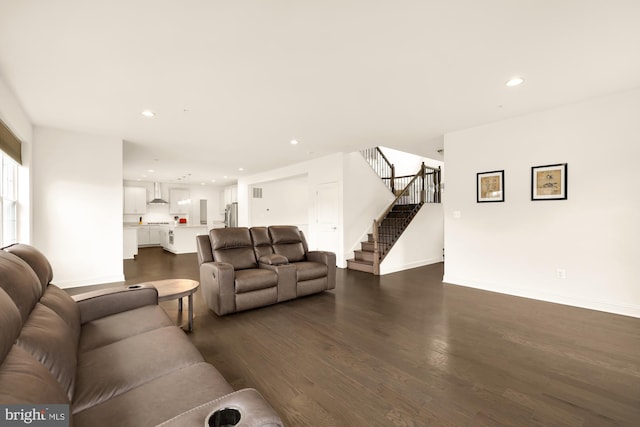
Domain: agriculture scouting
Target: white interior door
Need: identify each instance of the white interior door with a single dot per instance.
(328, 217)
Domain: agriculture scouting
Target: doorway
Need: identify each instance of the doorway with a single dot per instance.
(328, 217)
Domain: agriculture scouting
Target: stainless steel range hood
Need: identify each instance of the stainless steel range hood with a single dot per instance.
(157, 195)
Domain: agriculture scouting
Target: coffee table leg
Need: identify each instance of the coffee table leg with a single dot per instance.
(180, 305)
(190, 312)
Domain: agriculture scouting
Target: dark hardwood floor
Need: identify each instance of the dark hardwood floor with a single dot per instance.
(406, 350)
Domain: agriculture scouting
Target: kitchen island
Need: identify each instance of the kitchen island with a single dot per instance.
(181, 239)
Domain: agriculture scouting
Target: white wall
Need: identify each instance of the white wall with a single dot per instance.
(365, 199)
(420, 244)
(14, 117)
(407, 163)
(318, 171)
(77, 205)
(285, 201)
(515, 247)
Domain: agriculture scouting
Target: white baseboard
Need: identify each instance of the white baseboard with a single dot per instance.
(592, 304)
(87, 282)
(387, 270)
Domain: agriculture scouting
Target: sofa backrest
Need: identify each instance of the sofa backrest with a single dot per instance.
(36, 260)
(261, 241)
(234, 246)
(287, 240)
(203, 246)
(39, 331)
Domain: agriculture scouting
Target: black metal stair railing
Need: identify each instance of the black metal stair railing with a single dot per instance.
(421, 188)
(382, 166)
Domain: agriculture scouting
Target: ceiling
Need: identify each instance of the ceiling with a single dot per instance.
(232, 82)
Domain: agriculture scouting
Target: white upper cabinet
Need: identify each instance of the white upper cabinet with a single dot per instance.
(179, 201)
(230, 194)
(135, 200)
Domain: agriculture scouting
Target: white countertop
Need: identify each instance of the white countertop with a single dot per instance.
(137, 225)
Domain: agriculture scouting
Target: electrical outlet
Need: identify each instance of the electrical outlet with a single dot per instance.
(561, 273)
(457, 214)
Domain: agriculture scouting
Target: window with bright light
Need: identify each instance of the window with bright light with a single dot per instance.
(9, 200)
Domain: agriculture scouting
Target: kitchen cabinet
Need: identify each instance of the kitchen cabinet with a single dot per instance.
(135, 200)
(143, 235)
(230, 194)
(154, 235)
(179, 201)
(149, 235)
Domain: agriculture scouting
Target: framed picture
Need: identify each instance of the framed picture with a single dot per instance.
(490, 186)
(549, 182)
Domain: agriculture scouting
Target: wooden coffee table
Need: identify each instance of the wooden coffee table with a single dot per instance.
(177, 289)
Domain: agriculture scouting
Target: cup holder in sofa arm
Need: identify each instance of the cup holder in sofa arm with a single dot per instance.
(134, 286)
(242, 408)
(226, 417)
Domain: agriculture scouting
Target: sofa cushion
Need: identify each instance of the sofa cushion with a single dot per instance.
(64, 306)
(254, 279)
(234, 246)
(11, 323)
(287, 241)
(51, 342)
(109, 329)
(19, 282)
(308, 270)
(25, 380)
(113, 369)
(259, 298)
(312, 286)
(161, 398)
(36, 260)
(261, 241)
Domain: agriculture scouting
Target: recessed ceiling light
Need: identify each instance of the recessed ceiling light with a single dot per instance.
(294, 142)
(151, 171)
(240, 169)
(213, 180)
(225, 177)
(515, 81)
(148, 113)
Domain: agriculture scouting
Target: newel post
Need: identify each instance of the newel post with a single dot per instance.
(376, 248)
(393, 179)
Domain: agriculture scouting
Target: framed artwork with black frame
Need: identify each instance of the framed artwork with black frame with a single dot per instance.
(549, 182)
(490, 186)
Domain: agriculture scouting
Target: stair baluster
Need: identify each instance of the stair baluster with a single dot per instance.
(423, 187)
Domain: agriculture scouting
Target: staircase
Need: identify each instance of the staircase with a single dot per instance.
(411, 193)
(389, 230)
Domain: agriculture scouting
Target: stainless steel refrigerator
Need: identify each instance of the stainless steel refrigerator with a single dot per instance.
(231, 215)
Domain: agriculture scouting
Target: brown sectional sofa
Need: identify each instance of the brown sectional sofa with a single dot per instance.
(243, 268)
(112, 355)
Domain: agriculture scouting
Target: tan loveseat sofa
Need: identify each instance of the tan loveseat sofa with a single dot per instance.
(243, 268)
(113, 355)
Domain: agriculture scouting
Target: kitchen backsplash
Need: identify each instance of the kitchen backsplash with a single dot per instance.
(157, 213)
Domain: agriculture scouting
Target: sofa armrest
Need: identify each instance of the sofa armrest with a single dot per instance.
(254, 411)
(217, 280)
(273, 259)
(328, 259)
(105, 302)
(287, 279)
(323, 257)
